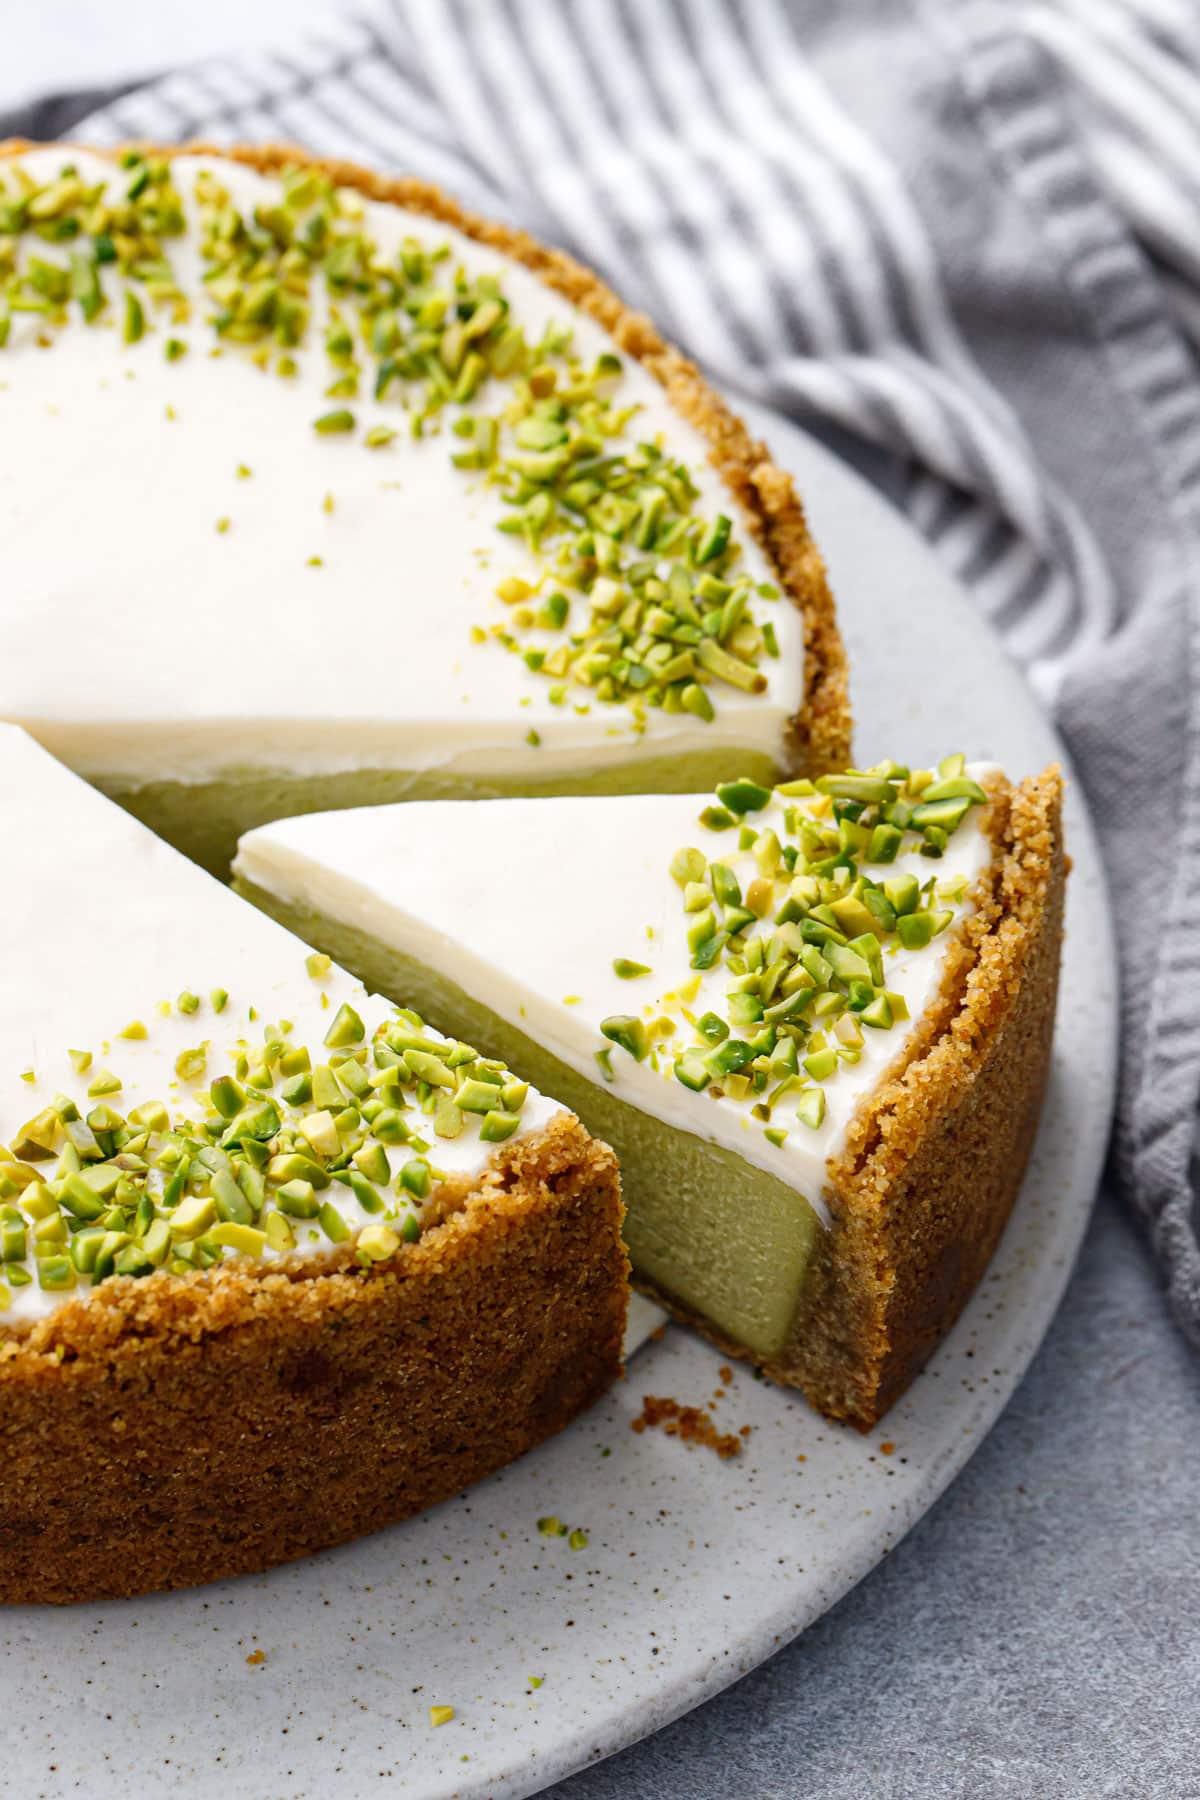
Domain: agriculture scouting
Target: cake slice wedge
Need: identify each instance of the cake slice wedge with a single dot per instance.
(279, 1264)
(814, 1022)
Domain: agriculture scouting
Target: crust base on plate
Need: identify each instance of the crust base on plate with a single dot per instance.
(180, 1429)
(934, 1161)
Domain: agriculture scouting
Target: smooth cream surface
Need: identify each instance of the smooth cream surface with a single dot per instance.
(526, 903)
(142, 643)
(99, 921)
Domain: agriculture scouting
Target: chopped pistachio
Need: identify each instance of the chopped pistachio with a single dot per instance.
(189, 1064)
(629, 1032)
(377, 1242)
(191, 1217)
(347, 1028)
(498, 1126)
(297, 1198)
(247, 1240)
(743, 796)
(332, 1223)
(135, 318)
(810, 1108)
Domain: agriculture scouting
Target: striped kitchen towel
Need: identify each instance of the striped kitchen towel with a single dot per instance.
(963, 237)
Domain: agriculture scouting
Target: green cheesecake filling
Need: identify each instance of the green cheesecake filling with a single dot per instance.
(205, 819)
(680, 1190)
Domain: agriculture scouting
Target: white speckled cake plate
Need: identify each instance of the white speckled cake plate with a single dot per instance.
(695, 1569)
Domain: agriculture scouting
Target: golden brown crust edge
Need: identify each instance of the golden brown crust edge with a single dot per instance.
(176, 1431)
(931, 1169)
(818, 737)
(934, 1162)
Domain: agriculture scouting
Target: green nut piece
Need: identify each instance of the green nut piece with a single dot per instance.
(347, 1028)
(497, 1126)
(871, 790)
(226, 1096)
(297, 1198)
(332, 1223)
(629, 1032)
(416, 1177)
(372, 1161)
(191, 1217)
(692, 1071)
(246, 1240)
(810, 1107)
(743, 796)
(292, 1166)
(321, 1135)
(688, 866)
(376, 1243)
(232, 1206)
(475, 1096)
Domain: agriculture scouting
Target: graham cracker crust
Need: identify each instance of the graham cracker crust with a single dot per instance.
(180, 1429)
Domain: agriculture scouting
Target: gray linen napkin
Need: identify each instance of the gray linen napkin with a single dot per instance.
(960, 235)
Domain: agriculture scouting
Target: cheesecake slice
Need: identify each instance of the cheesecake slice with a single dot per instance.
(279, 1264)
(814, 1022)
(331, 494)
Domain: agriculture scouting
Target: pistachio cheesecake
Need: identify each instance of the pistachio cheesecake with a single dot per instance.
(339, 495)
(279, 1264)
(814, 1021)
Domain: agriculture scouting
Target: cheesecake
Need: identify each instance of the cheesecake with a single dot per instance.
(331, 494)
(279, 1262)
(814, 1021)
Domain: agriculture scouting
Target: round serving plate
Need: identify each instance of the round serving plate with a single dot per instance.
(695, 1569)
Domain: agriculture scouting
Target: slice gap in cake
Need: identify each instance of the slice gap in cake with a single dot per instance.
(455, 521)
(279, 1263)
(814, 1023)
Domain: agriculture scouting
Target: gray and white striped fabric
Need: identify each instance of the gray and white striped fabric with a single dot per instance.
(962, 237)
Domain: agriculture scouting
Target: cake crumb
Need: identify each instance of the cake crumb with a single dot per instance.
(257, 1656)
(690, 1423)
(725, 1373)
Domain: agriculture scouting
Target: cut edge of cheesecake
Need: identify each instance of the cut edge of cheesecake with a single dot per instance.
(818, 736)
(921, 1188)
(934, 1159)
(363, 1390)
